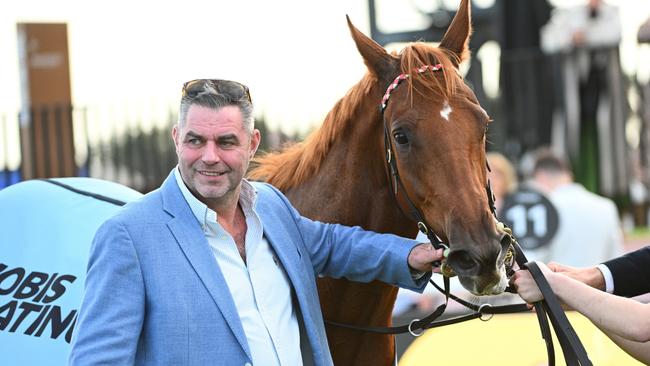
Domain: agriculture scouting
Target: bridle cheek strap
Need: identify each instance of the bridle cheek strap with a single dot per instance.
(394, 179)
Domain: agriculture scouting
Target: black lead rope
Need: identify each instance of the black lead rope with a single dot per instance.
(574, 351)
(412, 327)
(550, 308)
(416, 326)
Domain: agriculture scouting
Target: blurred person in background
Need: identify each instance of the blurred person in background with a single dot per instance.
(584, 40)
(589, 227)
(643, 35)
(642, 182)
(525, 78)
(503, 178)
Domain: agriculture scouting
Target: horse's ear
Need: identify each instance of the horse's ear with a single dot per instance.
(456, 38)
(380, 62)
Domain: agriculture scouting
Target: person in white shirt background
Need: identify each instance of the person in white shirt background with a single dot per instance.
(589, 229)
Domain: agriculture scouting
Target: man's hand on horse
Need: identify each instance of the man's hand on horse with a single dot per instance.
(423, 256)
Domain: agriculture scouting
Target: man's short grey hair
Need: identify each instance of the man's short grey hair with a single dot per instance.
(216, 96)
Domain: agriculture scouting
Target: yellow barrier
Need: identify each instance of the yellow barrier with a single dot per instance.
(513, 339)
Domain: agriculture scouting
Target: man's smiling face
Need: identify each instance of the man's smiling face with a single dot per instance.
(214, 150)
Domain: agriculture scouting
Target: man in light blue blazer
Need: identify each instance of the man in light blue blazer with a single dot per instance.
(211, 269)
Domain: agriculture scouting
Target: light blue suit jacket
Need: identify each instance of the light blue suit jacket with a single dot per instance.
(154, 293)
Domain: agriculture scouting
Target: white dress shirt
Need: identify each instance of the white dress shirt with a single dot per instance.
(260, 288)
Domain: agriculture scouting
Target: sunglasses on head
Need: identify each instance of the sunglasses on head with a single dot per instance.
(232, 88)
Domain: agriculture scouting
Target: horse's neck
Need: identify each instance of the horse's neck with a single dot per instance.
(352, 185)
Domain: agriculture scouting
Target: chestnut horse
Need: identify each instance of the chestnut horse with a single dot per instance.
(339, 174)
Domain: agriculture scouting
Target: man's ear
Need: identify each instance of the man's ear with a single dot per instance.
(256, 138)
(175, 135)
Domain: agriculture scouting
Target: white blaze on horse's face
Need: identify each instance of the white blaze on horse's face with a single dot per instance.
(446, 110)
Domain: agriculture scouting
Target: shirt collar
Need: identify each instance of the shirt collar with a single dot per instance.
(247, 200)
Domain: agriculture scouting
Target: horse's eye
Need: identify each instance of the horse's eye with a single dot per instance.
(401, 138)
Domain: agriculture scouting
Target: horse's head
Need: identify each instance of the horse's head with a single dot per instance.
(436, 130)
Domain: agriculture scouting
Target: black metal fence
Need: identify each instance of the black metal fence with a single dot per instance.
(101, 143)
(10, 162)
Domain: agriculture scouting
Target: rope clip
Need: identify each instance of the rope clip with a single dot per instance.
(411, 330)
(480, 311)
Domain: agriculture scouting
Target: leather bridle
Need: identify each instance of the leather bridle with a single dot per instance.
(549, 308)
(394, 180)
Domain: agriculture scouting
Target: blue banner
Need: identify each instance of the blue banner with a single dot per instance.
(46, 228)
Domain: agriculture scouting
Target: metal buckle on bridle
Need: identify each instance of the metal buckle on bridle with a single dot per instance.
(480, 311)
(411, 330)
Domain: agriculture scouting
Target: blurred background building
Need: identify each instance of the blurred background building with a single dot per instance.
(92, 89)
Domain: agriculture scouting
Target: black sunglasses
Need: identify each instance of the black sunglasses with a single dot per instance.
(231, 88)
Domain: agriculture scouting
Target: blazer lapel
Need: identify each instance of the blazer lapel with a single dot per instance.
(194, 245)
(279, 238)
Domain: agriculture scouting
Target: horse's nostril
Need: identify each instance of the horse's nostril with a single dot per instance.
(463, 263)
